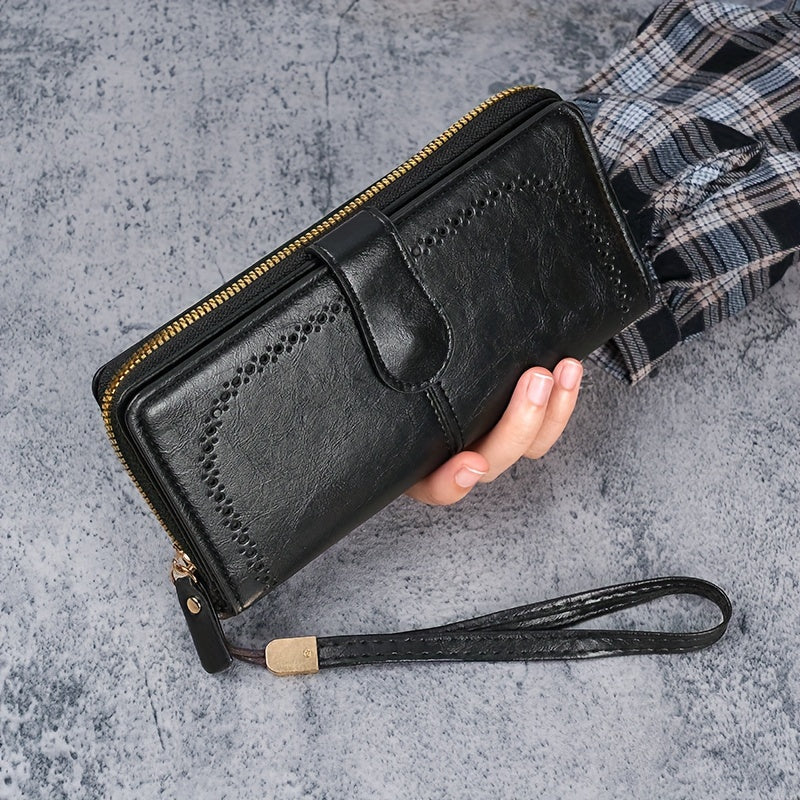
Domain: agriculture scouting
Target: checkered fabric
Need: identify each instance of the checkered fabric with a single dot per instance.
(698, 123)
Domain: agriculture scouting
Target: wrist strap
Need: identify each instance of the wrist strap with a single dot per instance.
(537, 632)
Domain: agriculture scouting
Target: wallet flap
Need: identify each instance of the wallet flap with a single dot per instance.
(405, 330)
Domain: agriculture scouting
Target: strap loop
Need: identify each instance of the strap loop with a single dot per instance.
(537, 632)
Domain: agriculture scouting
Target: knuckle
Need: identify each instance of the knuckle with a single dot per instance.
(519, 440)
(558, 415)
(558, 419)
(536, 452)
(441, 496)
(422, 493)
(432, 499)
(520, 431)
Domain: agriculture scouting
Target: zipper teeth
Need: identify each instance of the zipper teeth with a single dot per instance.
(199, 311)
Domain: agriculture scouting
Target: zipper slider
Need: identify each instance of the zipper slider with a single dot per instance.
(202, 620)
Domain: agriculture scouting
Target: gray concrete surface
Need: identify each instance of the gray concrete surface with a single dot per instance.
(150, 150)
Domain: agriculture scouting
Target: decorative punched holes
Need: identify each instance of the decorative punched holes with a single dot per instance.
(463, 217)
(218, 493)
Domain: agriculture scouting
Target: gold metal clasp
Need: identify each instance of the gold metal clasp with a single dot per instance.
(295, 656)
(182, 567)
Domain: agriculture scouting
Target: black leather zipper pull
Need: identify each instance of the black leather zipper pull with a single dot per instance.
(204, 625)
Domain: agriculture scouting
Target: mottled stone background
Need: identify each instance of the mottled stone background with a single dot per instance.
(151, 150)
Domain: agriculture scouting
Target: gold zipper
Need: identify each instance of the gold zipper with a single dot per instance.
(174, 328)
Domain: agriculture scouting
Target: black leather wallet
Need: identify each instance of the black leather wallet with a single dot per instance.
(280, 412)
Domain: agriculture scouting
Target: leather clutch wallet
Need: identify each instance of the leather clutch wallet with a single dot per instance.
(291, 404)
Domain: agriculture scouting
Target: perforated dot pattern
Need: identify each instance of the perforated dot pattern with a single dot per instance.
(463, 217)
(291, 339)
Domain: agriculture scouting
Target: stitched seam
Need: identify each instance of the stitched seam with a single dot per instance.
(354, 298)
(415, 277)
(623, 296)
(389, 376)
(454, 416)
(630, 637)
(270, 354)
(447, 436)
(654, 648)
(161, 462)
(506, 656)
(571, 112)
(436, 235)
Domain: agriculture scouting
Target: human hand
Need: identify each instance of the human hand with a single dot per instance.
(535, 417)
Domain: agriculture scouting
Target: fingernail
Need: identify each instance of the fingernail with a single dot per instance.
(467, 477)
(569, 374)
(539, 387)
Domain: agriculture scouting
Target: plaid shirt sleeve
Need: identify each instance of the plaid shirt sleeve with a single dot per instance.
(698, 123)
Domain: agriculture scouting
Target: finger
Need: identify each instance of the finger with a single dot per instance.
(507, 442)
(451, 481)
(567, 374)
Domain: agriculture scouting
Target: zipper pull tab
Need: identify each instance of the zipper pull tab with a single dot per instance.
(202, 620)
